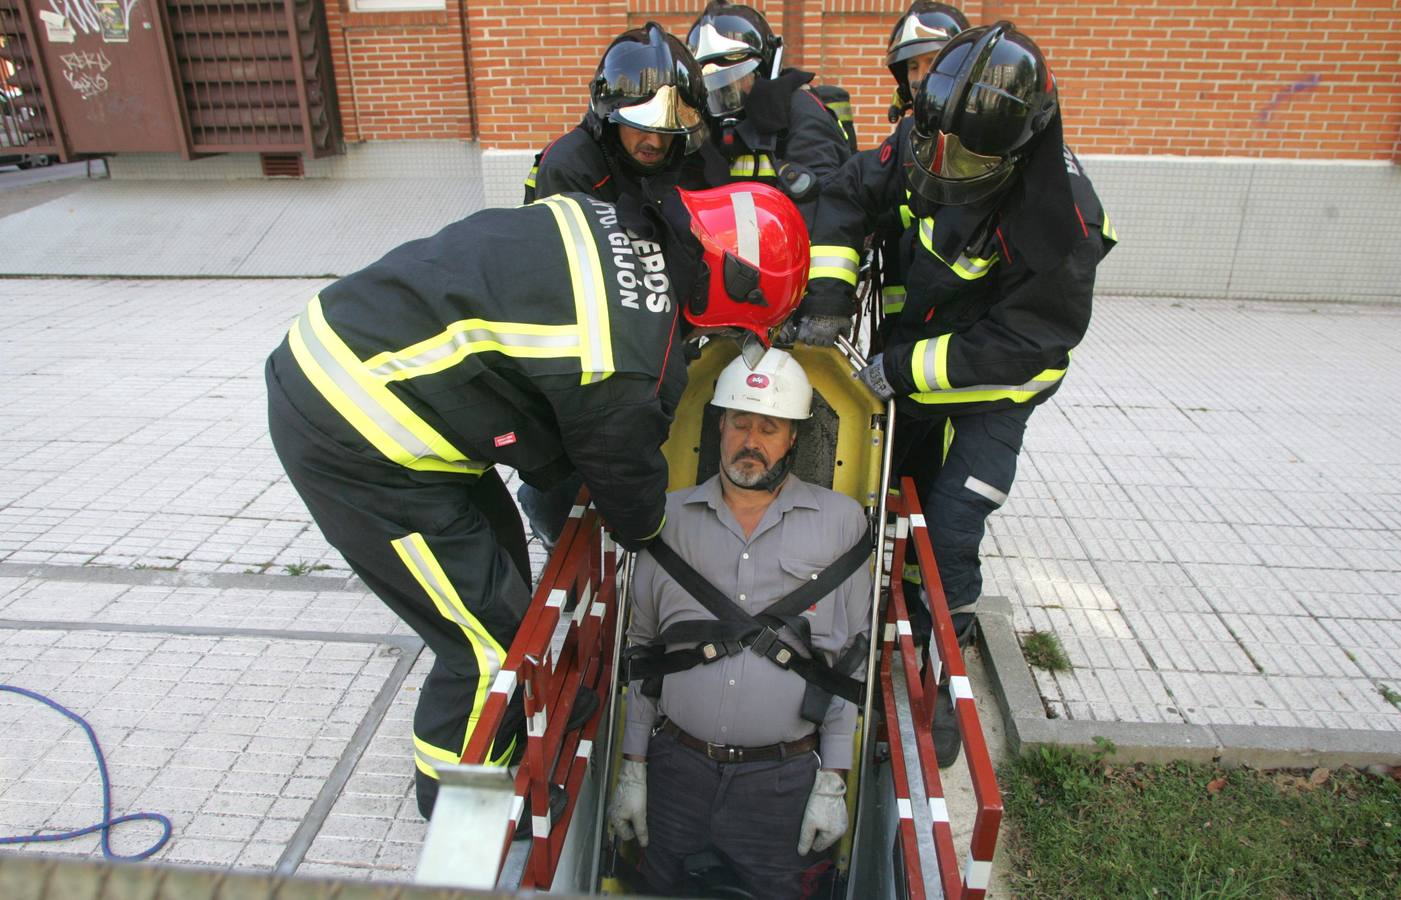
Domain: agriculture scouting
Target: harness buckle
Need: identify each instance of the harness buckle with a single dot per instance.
(767, 644)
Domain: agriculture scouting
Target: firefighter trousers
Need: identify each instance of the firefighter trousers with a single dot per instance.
(963, 468)
(445, 552)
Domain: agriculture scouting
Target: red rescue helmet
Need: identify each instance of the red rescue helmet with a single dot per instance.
(755, 252)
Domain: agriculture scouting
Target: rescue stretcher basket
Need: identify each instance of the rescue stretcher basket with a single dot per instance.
(900, 843)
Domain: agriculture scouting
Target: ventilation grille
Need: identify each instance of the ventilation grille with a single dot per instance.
(255, 75)
(282, 165)
(25, 120)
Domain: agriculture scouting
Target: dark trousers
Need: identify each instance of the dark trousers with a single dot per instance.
(963, 468)
(750, 813)
(548, 510)
(446, 552)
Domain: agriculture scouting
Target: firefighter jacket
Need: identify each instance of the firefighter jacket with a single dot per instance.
(994, 299)
(588, 160)
(784, 122)
(540, 337)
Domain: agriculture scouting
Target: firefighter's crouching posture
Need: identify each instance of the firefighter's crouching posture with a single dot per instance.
(546, 338)
(998, 258)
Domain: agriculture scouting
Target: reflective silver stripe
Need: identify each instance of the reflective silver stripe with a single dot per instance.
(353, 392)
(467, 336)
(590, 276)
(746, 227)
(982, 488)
(835, 262)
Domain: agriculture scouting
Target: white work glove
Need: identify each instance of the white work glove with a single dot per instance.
(873, 376)
(824, 821)
(627, 814)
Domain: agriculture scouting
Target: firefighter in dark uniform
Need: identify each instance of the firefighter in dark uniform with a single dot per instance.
(645, 103)
(765, 123)
(545, 338)
(915, 42)
(999, 263)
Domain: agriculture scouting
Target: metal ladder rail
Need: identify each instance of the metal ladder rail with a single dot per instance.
(988, 818)
(921, 693)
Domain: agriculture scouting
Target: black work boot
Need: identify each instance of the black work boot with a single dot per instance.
(947, 743)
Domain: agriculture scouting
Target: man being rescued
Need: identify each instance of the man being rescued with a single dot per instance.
(741, 709)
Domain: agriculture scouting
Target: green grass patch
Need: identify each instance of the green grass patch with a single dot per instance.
(1389, 695)
(1080, 827)
(304, 568)
(1043, 650)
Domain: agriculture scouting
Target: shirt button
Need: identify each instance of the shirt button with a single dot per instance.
(814, 576)
(732, 682)
(723, 728)
(744, 556)
(741, 596)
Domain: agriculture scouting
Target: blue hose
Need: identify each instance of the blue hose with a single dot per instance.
(107, 821)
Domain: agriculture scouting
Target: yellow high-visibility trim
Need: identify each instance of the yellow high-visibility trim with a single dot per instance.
(750, 166)
(841, 263)
(941, 362)
(586, 276)
(413, 550)
(1109, 230)
(987, 392)
(530, 179)
(444, 456)
(907, 215)
(892, 299)
(966, 267)
(948, 439)
(931, 357)
(508, 338)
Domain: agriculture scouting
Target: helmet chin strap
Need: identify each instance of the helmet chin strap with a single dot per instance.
(772, 479)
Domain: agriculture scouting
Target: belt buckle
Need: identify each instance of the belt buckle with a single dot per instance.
(721, 752)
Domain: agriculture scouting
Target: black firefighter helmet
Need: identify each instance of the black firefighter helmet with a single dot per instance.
(924, 28)
(731, 43)
(978, 114)
(648, 80)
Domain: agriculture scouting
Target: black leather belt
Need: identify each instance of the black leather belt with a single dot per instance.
(728, 754)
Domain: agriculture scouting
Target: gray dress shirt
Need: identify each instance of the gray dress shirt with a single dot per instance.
(744, 699)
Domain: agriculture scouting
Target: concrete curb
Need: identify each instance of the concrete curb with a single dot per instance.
(177, 578)
(1257, 746)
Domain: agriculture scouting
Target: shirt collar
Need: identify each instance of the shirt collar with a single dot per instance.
(796, 492)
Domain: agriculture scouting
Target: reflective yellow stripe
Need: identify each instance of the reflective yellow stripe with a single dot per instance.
(948, 438)
(530, 179)
(468, 336)
(930, 364)
(965, 267)
(841, 108)
(363, 399)
(911, 573)
(832, 261)
(1108, 230)
(590, 294)
(892, 299)
(424, 567)
(907, 216)
(983, 393)
(750, 166)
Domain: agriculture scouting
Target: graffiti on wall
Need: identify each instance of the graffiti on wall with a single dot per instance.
(109, 18)
(85, 72)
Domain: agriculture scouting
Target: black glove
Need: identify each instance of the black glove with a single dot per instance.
(873, 376)
(822, 331)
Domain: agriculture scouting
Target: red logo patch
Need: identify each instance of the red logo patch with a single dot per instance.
(757, 381)
(504, 440)
(886, 149)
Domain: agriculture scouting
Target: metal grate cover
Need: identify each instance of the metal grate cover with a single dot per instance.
(255, 75)
(25, 118)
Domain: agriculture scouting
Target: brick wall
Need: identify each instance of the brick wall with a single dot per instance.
(400, 75)
(1296, 79)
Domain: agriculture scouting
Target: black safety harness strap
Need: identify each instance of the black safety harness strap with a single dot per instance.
(733, 629)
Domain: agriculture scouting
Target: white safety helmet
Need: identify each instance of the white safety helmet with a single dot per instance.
(777, 386)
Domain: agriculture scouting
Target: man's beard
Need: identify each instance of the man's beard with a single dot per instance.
(747, 477)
